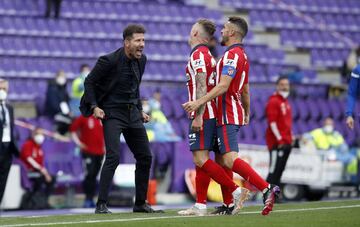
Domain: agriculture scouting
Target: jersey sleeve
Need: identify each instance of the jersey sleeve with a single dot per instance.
(26, 150)
(352, 92)
(198, 62)
(272, 110)
(75, 125)
(230, 64)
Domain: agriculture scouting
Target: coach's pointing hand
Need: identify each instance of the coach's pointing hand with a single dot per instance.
(190, 106)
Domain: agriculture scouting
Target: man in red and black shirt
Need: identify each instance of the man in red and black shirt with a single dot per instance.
(278, 133)
(33, 158)
(87, 133)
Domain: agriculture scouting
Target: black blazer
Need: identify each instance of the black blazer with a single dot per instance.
(12, 147)
(102, 79)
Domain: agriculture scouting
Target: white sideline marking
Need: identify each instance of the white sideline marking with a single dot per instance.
(168, 217)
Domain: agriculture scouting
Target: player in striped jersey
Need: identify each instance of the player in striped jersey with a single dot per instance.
(201, 78)
(233, 106)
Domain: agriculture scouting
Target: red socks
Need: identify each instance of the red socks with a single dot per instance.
(219, 175)
(202, 181)
(226, 193)
(249, 174)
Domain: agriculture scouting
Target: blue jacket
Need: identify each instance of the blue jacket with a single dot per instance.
(353, 91)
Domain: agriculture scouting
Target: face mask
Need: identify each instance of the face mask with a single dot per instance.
(328, 128)
(146, 109)
(61, 80)
(3, 95)
(84, 74)
(284, 94)
(156, 105)
(39, 139)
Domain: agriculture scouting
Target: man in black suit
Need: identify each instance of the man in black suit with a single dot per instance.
(112, 94)
(8, 147)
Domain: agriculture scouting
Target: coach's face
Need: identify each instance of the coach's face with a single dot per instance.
(225, 34)
(135, 45)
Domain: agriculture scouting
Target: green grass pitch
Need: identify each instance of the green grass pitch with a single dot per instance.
(305, 214)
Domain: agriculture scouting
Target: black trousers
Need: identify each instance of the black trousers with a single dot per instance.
(41, 185)
(92, 164)
(56, 4)
(278, 159)
(5, 164)
(126, 120)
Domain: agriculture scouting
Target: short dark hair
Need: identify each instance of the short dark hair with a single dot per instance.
(131, 29)
(82, 66)
(280, 78)
(240, 23)
(208, 25)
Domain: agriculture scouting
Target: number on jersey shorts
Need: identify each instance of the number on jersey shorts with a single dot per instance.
(204, 139)
(227, 138)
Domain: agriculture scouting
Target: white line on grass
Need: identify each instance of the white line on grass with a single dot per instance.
(168, 217)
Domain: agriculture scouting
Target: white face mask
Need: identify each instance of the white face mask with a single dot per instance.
(284, 94)
(39, 139)
(61, 80)
(328, 128)
(84, 74)
(3, 94)
(146, 109)
(156, 105)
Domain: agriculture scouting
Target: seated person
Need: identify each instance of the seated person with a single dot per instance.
(328, 139)
(33, 157)
(164, 132)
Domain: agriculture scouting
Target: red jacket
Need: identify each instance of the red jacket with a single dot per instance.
(90, 133)
(278, 111)
(32, 149)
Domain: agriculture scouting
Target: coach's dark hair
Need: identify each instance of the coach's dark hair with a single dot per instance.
(280, 78)
(131, 29)
(241, 24)
(208, 25)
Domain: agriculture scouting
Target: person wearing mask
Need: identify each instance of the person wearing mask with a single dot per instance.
(87, 133)
(77, 89)
(8, 146)
(57, 102)
(327, 138)
(32, 156)
(278, 133)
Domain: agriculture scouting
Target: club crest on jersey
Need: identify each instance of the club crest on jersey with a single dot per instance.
(231, 71)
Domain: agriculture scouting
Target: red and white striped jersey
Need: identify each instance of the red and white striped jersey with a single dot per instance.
(234, 63)
(201, 61)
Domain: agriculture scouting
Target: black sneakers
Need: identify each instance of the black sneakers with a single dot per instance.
(145, 208)
(223, 210)
(102, 209)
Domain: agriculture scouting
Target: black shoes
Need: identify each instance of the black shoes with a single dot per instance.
(102, 209)
(223, 210)
(145, 208)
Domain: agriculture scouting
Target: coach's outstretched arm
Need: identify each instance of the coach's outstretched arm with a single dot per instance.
(218, 90)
